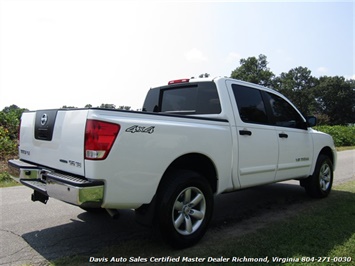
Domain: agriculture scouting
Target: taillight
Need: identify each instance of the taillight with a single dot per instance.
(99, 138)
(18, 133)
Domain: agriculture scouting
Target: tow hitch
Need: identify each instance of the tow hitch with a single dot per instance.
(36, 196)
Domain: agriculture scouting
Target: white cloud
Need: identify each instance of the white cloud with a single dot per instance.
(322, 70)
(350, 77)
(233, 57)
(195, 55)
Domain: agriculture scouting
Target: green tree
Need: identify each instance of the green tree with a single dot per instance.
(298, 85)
(254, 70)
(335, 98)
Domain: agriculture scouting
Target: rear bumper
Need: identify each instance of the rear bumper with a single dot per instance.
(65, 187)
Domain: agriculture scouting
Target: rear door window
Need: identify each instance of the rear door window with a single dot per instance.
(250, 104)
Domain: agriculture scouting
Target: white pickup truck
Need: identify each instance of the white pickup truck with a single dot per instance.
(194, 139)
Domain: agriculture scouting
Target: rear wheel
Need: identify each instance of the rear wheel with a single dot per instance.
(320, 183)
(185, 206)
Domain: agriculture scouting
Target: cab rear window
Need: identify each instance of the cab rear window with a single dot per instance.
(195, 98)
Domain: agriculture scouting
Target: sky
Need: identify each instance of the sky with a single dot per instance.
(79, 52)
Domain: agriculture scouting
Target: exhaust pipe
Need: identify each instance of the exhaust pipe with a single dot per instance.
(113, 213)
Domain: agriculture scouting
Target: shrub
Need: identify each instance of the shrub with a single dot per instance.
(342, 135)
(8, 146)
(10, 119)
(9, 122)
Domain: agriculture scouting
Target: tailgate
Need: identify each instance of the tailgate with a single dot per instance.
(54, 139)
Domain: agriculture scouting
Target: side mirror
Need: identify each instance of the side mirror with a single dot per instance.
(311, 121)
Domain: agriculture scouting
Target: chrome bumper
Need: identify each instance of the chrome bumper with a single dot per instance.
(65, 187)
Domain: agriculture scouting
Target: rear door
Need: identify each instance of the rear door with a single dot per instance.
(256, 151)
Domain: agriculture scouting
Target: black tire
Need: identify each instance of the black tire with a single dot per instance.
(184, 208)
(320, 183)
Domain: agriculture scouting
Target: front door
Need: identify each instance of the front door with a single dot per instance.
(295, 141)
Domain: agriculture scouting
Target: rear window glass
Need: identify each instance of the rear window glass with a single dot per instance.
(201, 98)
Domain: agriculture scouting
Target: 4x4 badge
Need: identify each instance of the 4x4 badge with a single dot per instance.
(136, 128)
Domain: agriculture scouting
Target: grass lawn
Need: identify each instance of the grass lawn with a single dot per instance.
(5, 179)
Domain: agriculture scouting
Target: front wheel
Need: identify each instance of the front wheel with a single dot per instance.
(320, 183)
(185, 206)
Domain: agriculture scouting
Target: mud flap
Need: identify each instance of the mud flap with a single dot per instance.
(145, 214)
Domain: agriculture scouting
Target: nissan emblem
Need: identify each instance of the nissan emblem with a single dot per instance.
(44, 119)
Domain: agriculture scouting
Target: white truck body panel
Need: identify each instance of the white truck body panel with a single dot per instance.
(137, 161)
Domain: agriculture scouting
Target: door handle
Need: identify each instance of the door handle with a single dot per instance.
(283, 135)
(244, 132)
